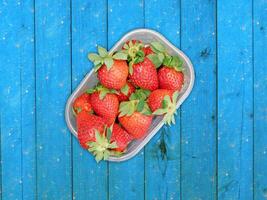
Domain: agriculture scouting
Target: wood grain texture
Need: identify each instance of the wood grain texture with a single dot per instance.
(216, 150)
(53, 85)
(10, 121)
(162, 154)
(235, 97)
(89, 28)
(17, 119)
(126, 179)
(198, 113)
(260, 99)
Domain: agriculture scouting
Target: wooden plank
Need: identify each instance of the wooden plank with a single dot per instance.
(89, 28)
(162, 154)
(198, 113)
(53, 85)
(17, 99)
(235, 96)
(28, 102)
(260, 99)
(126, 179)
(10, 101)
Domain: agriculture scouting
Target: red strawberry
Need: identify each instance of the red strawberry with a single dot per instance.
(156, 97)
(147, 50)
(112, 141)
(144, 75)
(163, 101)
(170, 79)
(137, 124)
(112, 69)
(115, 77)
(121, 137)
(86, 125)
(82, 103)
(135, 116)
(105, 104)
(126, 91)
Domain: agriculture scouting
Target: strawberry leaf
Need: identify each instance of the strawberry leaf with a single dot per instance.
(113, 145)
(173, 62)
(108, 62)
(94, 57)
(126, 46)
(102, 94)
(120, 56)
(157, 47)
(140, 94)
(140, 106)
(125, 89)
(127, 108)
(160, 111)
(102, 51)
(101, 147)
(90, 91)
(155, 60)
(106, 155)
(131, 68)
(146, 110)
(109, 133)
(97, 67)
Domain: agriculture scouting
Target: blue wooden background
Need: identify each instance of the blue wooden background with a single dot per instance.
(218, 148)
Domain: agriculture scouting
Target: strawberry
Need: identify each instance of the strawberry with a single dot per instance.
(147, 50)
(125, 92)
(104, 103)
(112, 69)
(156, 97)
(113, 141)
(142, 71)
(136, 124)
(144, 75)
(86, 125)
(115, 77)
(82, 103)
(121, 137)
(163, 101)
(170, 79)
(135, 116)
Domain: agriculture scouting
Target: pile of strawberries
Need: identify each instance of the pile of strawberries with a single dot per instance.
(135, 84)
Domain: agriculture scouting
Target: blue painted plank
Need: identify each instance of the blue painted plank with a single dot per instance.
(260, 99)
(126, 179)
(17, 100)
(162, 154)
(27, 76)
(53, 85)
(198, 113)
(89, 28)
(235, 95)
(10, 101)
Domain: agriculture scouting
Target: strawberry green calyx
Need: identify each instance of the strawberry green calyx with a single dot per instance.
(168, 108)
(159, 53)
(135, 53)
(132, 48)
(140, 94)
(103, 57)
(173, 62)
(103, 91)
(125, 89)
(127, 108)
(102, 147)
(161, 56)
